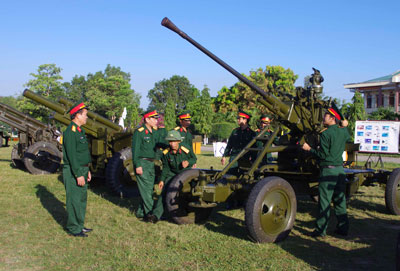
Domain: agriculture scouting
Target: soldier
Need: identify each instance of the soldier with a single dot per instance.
(332, 177)
(144, 142)
(265, 122)
(238, 139)
(185, 120)
(76, 174)
(176, 158)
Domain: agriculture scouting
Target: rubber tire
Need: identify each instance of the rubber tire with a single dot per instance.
(118, 177)
(46, 166)
(277, 187)
(177, 202)
(16, 160)
(392, 192)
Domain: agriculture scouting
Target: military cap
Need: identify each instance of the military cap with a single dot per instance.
(335, 112)
(243, 114)
(173, 136)
(76, 107)
(265, 118)
(184, 115)
(150, 113)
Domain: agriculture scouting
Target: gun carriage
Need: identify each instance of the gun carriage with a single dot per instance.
(270, 189)
(38, 148)
(110, 145)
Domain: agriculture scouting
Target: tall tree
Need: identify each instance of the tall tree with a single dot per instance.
(177, 89)
(274, 79)
(354, 111)
(169, 115)
(202, 112)
(47, 83)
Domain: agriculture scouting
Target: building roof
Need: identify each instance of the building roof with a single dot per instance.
(380, 81)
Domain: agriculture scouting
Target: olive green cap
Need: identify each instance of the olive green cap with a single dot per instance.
(173, 136)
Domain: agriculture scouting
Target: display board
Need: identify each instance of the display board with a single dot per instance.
(219, 148)
(377, 136)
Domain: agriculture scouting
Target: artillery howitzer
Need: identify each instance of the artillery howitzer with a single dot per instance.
(38, 148)
(109, 145)
(271, 188)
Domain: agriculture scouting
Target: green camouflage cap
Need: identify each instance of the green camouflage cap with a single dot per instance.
(173, 136)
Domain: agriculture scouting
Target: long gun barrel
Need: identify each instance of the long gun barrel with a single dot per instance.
(295, 117)
(19, 120)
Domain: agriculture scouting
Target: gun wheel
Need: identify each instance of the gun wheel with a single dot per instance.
(16, 160)
(42, 158)
(392, 192)
(270, 210)
(120, 176)
(178, 197)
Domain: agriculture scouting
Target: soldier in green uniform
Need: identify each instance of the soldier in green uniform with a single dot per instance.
(265, 122)
(144, 142)
(176, 158)
(238, 139)
(185, 120)
(76, 174)
(332, 177)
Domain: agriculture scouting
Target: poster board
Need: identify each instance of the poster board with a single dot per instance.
(219, 148)
(377, 136)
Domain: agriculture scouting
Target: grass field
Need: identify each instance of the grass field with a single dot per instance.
(32, 234)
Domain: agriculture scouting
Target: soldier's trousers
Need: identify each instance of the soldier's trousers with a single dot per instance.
(159, 202)
(76, 200)
(146, 184)
(332, 188)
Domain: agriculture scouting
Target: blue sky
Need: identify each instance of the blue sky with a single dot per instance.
(348, 41)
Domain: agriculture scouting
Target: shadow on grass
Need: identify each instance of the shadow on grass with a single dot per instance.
(227, 225)
(370, 245)
(55, 207)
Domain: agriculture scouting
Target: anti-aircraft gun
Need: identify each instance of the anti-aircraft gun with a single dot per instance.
(109, 144)
(270, 189)
(38, 148)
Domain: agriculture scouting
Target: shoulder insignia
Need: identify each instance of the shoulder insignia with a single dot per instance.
(323, 130)
(165, 151)
(177, 128)
(73, 128)
(155, 128)
(140, 129)
(186, 150)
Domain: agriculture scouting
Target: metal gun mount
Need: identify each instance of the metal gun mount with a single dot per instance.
(270, 189)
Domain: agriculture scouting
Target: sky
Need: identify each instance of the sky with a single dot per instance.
(348, 41)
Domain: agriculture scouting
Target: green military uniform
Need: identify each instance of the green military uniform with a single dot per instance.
(172, 165)
(186, 135)
(143, 155)
(332, 178)
(76, 158)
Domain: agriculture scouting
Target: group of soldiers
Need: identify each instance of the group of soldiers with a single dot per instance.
(174, 148)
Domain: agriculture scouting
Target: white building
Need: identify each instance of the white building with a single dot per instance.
(379, 92)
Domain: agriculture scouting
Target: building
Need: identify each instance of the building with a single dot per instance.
(379, 92)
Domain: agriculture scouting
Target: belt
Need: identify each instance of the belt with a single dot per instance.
(148, 159)
(330, 166)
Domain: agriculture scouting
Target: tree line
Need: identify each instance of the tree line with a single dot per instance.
(108, 92)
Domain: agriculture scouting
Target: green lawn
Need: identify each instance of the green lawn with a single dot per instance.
(32, 235)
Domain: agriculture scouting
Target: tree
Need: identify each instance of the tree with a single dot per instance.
(177, 89)
(274, 79)
(9, 100)
(354, 111)
(384, 113)
(170, 116)
(107, 93)
(202, 112)
(45, 83)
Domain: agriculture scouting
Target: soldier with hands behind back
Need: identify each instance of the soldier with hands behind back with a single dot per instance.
(76, 174)
(144, 142)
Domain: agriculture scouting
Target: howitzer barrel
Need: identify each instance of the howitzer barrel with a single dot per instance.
(19, 120)
(43, 101)
(65, 120)
(95, 117)
(281, 110)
